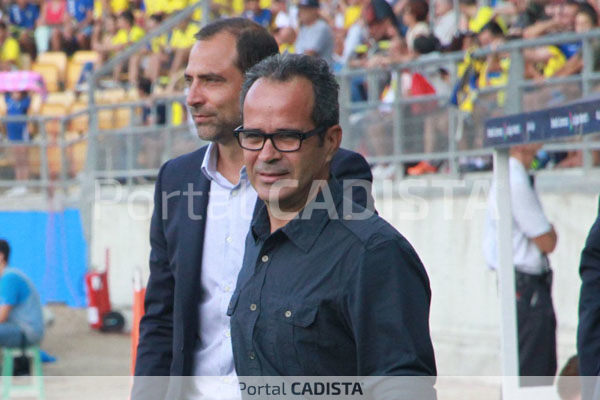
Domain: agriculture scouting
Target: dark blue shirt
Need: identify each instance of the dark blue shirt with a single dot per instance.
(16, 129)
(79, 9)
(26, 17)
(330, 296)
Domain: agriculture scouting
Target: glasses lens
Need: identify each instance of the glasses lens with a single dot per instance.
(287, 141)
(251, 140)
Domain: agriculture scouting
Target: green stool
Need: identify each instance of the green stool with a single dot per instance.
(37, 378)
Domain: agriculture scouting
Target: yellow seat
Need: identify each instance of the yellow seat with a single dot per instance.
(2, 105)
(111, 96)
(76, 153)
(83, 56)
(80, 123)
(66, 98)
(122, 117)
(73, 74)
(57, 58)
(53, 126)
(50, 74)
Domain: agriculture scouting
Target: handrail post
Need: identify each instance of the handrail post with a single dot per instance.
(129, 153)
(514, 102)
(398, 126)
(588, 69)
(348, 137)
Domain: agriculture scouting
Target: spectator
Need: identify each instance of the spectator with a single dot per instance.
(474, 17)
(9, 50)
(415, 18)
(315, 37)
(533, 238)
(158, 56)
(127, 34)
(24, 14)
(180, 45)
(103, 8)
(21, 319)
(561, 18)
(568, 385)
(69, 39)
(259, 15)
(17, 105)
(103, 36)
(82, 11)
(445, 26)
(52, 18)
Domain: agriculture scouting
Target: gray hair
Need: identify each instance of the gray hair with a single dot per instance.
(285, 67)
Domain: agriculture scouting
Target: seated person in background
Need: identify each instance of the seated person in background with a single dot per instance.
(82, 13)
(23, 16)
(255, 13)
(17, 104)
(20, 308)
(9, 50)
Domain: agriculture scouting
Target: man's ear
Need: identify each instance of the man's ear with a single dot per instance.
(333, 139)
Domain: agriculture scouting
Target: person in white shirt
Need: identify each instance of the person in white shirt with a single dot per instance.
(445, 26)
(533, 238)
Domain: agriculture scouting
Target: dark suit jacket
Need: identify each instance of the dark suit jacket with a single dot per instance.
(588, 331)
(169, 328)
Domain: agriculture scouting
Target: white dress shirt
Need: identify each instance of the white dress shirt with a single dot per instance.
(528, 222)
(228, 218)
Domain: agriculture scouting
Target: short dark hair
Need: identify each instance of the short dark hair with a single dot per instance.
(2, 26)
(587, 9)
(419, 9)
(128, 16)
(494, 28)
(253, 42)
(285, 67)
(5, 249)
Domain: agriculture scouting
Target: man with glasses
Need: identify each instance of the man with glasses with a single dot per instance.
(325, 287)
(202, 212)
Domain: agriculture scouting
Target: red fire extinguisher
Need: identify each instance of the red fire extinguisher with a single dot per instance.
(98, 297)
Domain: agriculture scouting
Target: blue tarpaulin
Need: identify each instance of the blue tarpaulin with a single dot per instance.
(50, 248)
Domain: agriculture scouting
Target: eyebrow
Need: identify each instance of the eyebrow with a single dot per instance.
(205, 76)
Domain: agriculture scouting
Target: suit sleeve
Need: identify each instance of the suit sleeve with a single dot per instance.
(352, 169)
(155, 346)
(588, 332)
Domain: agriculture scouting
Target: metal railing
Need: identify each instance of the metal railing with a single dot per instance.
(394, 132)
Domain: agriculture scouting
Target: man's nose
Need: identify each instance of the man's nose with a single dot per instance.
(195, 95)
(269, 153)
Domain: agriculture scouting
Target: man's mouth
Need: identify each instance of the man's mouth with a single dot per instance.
(271, 177)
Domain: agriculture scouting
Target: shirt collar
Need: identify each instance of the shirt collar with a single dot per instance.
(209, 165)
(305, 229)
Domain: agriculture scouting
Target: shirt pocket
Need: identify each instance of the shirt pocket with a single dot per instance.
(298, 338)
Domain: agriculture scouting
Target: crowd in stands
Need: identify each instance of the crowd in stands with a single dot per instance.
(346, 33)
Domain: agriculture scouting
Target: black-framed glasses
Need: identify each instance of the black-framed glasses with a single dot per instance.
(285, 141)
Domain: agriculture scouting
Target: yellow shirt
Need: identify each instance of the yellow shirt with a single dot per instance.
(158, 43)
(556, 62)
(116, 7)
(184, 39)
(10, 50)
(135, 34)
(351, 15)
(286, 48)
(175, 5)
(155, 7)
(484, 15)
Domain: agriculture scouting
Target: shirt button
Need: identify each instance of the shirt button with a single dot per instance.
(265, 258)
(348, 217)
(288, 314)
(229, 239)
(252, 307)
(251, 355)
(227, 333)
(227, 288)
(234, 192)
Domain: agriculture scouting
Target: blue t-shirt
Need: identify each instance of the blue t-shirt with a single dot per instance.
(24, 18)
(570, 49)
(78, 9)
(263, 19)
(16, 130)
(17, 291)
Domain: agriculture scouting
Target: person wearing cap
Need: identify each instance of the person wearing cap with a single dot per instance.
(315, 37)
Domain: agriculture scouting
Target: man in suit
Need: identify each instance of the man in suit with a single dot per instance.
(588, 330)
(185, 330)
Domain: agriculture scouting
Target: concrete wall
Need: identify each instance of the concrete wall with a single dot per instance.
(465, 309)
